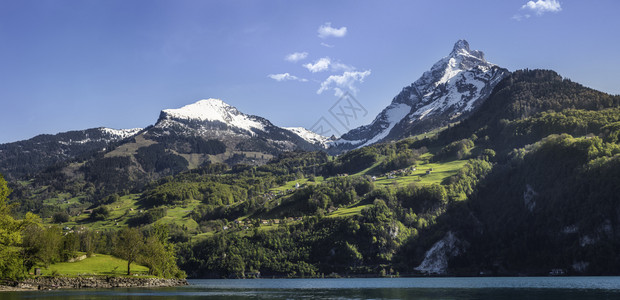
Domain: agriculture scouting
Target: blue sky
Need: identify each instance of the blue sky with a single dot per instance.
(67, 65)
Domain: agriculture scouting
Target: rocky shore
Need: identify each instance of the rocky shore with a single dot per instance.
(47, 283)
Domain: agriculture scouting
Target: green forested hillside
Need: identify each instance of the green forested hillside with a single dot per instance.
(528, 105)
(527, 184)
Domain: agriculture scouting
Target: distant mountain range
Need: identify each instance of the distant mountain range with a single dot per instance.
(245, 138)
(27, 157)
(454, 87)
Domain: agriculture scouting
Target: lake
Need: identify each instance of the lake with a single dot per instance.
(565, 288)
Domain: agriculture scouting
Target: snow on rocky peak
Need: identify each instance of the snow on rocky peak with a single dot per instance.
(214, 110)
(310, 136)
(452, 88)
(214, 119)
(120, 134)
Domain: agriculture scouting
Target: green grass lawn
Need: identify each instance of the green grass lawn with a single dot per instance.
(439, 173)
(179, 215)
(127, 207)
(431, 133)
(355, 209)
(267, 227)
(120, 212)
(368, 170)
(62, 201)
(426, 157)
(98, 264)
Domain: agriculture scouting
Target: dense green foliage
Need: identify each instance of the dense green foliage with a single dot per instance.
(353, 161)
(560, 210)
(403, 159)
(10, 237)
(312, 246)
(147, 217)
(213, 193)
(26, 243)
(157, 158)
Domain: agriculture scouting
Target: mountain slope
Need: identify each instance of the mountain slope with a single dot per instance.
(529, 105)
(310, 136)
(550, 201)
(215, 112)
(214, 119)
(208, 131)
(454, 87)
(21, 158)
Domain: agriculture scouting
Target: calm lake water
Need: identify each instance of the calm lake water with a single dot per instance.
(361, 288)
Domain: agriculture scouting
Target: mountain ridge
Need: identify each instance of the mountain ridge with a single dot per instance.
(447, 93)
(212, 110)
(207, 119)
(215, 119)
(29, 156)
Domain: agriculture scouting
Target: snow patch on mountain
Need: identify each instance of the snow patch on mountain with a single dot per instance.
(215, 110)
(309, 136)
(394, 113)
(215, 119)
(98, 135)
(121, 134)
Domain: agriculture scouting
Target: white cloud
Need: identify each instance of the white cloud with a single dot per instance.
(342, 83)
(539, 7)
(297, 56)
(326, 30)
(285, 77)
(327, 45)
(320, 65)
(325, 63)
(542, 6)
(337, 67)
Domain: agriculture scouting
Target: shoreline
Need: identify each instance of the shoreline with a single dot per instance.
(90, 282)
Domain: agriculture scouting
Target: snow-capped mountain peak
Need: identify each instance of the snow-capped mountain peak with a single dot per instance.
(450, 90)
(214, 119)
(461, 48)
(460, 45)
(204, 110)
(310, 136)
(214, 110)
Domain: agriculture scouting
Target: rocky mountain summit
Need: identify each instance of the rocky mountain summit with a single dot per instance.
(454, 87)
